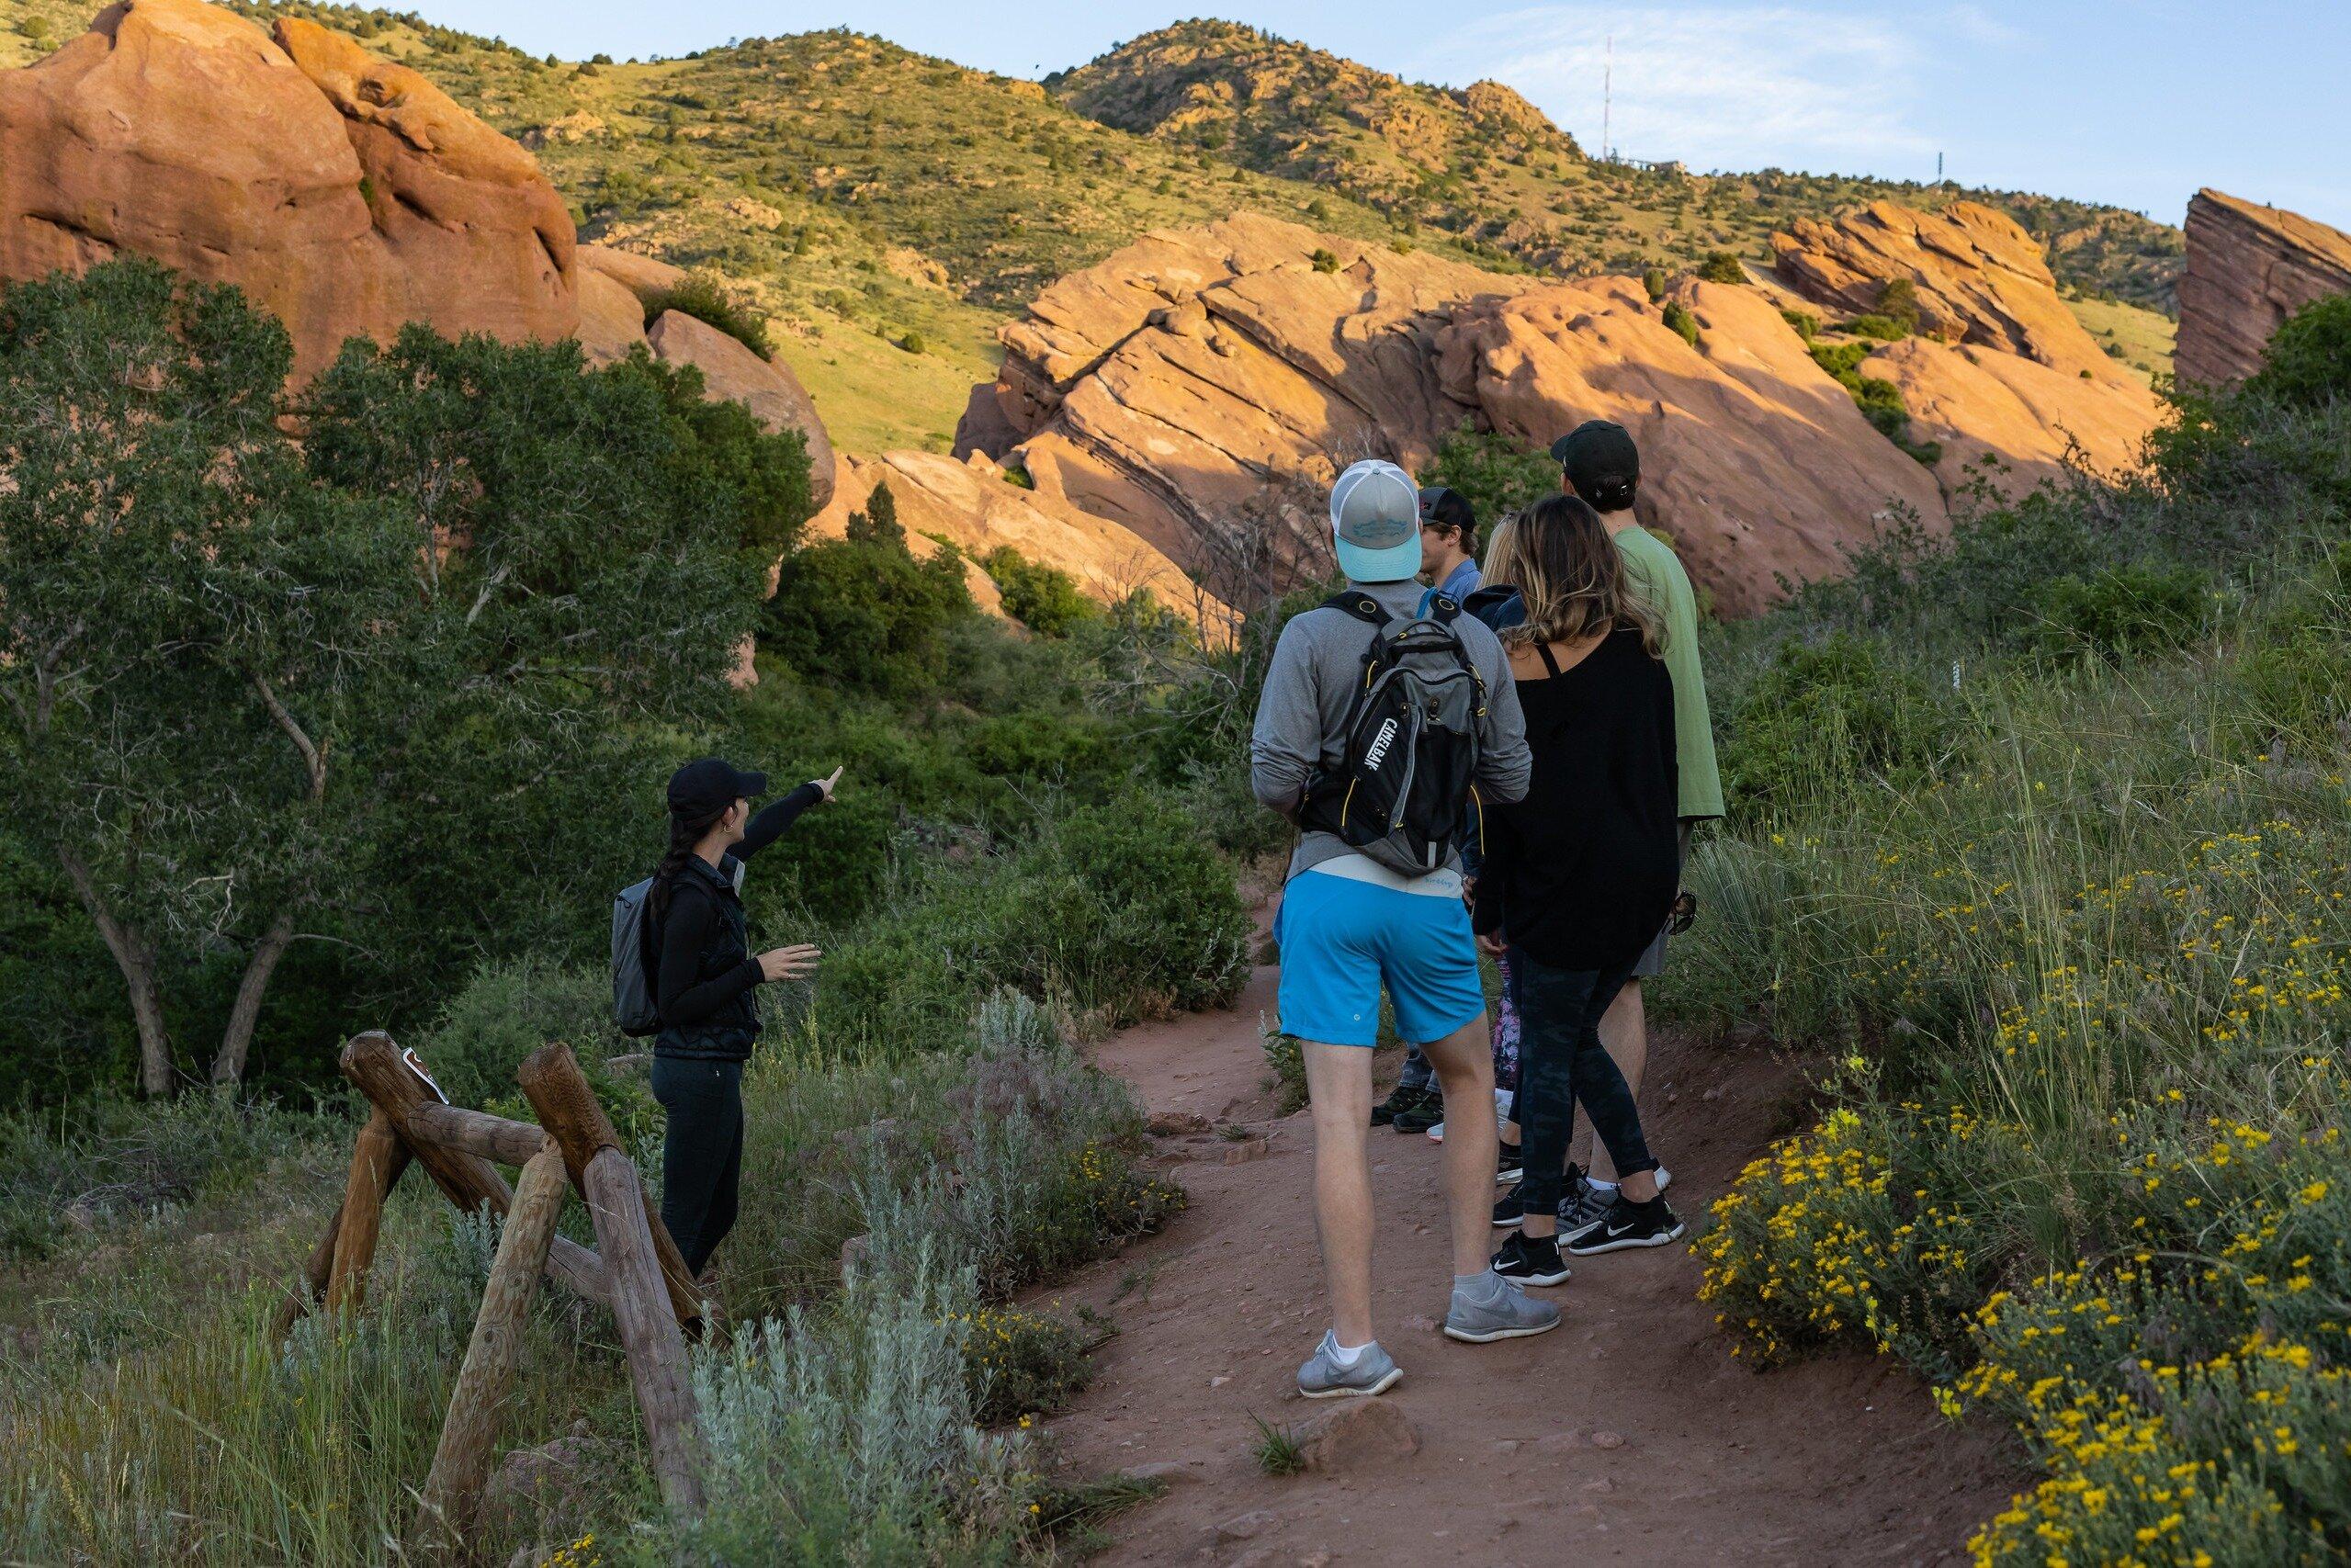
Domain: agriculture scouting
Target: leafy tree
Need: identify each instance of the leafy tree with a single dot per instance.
(193, 631)
(1043, 598)
(1722, 266)
(1683, 323)
(708, 299)
(355, 687)
(2308, 364)
(860, 611)
(1898, 302)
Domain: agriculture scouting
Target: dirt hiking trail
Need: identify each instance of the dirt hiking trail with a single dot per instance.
(1627, 1435)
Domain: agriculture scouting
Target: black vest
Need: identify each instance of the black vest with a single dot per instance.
(727, 1035)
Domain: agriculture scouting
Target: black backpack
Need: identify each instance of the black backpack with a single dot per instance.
(1407, 785)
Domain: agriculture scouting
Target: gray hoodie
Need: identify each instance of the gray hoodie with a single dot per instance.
(1302, 717)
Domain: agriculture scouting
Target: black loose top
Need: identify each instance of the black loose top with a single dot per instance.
(1582, 873)
(705, 977)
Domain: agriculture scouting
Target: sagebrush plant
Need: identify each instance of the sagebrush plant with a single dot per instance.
(2085, 1167)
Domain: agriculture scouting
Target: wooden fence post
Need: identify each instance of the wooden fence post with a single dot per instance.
(461, 1463)
(648, 1327)
(472, 1183)
(377, 1158)
(567, 1108)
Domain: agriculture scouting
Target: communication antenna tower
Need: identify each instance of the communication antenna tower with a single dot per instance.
(1608, 97)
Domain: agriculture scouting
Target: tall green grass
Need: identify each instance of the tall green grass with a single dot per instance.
(2069, 932)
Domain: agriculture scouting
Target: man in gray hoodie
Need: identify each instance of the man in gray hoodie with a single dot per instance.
(1348, 926)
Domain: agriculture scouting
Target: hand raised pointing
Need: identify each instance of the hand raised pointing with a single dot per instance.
(825, 787)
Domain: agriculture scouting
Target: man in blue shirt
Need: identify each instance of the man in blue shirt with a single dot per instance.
(1448, 543)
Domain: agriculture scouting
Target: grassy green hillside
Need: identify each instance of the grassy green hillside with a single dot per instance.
(1508, 179)
(889, 209)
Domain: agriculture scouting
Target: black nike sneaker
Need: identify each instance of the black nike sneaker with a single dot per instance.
(1421, 1117)
(1401, 1098)
(1511, 1166)
(1627, 1224)
(1510, 1208)
(1532, 1260)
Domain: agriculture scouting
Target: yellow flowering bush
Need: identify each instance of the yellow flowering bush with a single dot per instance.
(1818, 1240)
(1019, 1363)
(2238, 1459)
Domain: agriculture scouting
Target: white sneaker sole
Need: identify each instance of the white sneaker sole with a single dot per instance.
(1489, 1336)
(1540, 1279)
(1662, 1238)
(1382, 1386)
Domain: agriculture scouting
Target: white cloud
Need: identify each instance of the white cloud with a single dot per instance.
(1725, 85)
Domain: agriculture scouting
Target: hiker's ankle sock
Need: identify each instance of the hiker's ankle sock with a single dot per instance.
(1345, 1355)
(1605, 1188)
(1482, 1286)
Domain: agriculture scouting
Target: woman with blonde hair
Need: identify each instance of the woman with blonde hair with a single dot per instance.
(1578, 876)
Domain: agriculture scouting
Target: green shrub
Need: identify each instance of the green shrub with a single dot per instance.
(911, 341)
(708, 299)
(1878, 328)
(1722, 266)
(1494, 474)
(2130, 608)
(1323, 259)
(2307, 363)
(1678, 318)
(860, 611)
(1898, 304)
(1653, 282)
(1043, 598)
(1020, 1363)
(510, 1009)
(1824, 718)
(1806, 324)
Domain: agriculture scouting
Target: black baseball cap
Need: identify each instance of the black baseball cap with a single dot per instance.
(1446, 507)
(707, 786)
(1598, 457)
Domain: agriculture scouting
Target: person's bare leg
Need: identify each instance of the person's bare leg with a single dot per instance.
(1624, 1035)
(1465, 1063)
(1338, 1088)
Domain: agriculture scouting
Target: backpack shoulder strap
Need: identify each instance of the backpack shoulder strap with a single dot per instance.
(1441, 608)
(1358, 604)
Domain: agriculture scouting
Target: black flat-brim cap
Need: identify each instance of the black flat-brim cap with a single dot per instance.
(709, 785)
(1596, 450)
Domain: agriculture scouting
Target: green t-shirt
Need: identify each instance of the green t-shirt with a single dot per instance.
(1657, 576)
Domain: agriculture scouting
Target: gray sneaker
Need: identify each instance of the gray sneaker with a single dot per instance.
(1322, 1377)
(1495, 1309)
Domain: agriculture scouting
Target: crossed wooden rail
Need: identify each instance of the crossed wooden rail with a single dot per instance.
(636, 1271)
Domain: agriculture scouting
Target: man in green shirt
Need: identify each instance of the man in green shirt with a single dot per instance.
(1598, 462)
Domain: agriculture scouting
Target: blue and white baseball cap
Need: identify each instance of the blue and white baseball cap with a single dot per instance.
(1375, 522)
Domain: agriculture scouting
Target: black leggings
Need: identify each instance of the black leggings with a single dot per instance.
(702, 1160)
(1561, 1061)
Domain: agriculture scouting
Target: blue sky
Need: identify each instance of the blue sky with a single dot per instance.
(2137, 104)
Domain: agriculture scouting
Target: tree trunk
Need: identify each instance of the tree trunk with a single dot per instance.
(229, 1066)
(135, 957)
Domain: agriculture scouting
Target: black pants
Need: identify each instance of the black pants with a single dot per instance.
(1561, 1062)
(702, 1161)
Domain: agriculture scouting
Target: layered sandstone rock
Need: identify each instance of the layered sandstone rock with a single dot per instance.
(1752, 459)
(2249, 268)
(971, 504)
(1199, 377)
(344, 195)
(2034, 423)
(1980, 278)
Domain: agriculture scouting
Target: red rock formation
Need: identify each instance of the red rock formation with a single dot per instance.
(1198, 376)
(2034, 421)
(1979, 277)
(344, 195)
(1752, 459)
(970, 505)
(2249, 268)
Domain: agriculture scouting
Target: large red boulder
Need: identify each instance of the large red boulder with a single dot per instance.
(2249, 268)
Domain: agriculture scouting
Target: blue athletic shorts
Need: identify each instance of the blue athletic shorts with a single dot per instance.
(1347, 926)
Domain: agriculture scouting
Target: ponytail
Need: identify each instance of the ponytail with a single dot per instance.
(684, 833)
